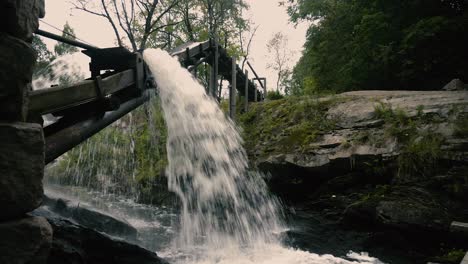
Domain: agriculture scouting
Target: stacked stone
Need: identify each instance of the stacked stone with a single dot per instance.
(23, 238)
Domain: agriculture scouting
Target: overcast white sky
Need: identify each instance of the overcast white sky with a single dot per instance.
(266, 13)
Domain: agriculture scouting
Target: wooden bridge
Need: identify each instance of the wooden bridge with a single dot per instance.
(120, 82)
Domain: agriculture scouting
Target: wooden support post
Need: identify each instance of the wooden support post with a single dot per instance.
(211, 81)
(255, 92)
(215, 71)
(232, 90)
(246, 106)
(264, 90)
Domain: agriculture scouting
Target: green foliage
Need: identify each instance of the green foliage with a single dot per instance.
(420, 155)
(288, 124)
(420, 148)
(380, 192)
(43, 55)
(63, 48)
(128, 158)
(358, 45)
(453, 256)
(274, 95)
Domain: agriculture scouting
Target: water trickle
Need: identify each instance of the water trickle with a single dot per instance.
(227, 215)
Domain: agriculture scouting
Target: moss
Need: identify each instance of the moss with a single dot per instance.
(379, 193)
(286, 125)
(461, 127)
(453, 256)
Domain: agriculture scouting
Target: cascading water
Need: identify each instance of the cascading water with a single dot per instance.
(227, 216)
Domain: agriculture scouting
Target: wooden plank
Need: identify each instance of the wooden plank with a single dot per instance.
(53, 99)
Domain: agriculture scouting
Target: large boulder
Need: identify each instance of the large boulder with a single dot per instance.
(363, 131)
(20, 18)
(25, 241)
(454, 85)
(73, 243)
(21, 168)
(93, 219)
(17, 60)
(411, 209)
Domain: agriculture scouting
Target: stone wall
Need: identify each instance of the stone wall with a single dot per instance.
(23, 238)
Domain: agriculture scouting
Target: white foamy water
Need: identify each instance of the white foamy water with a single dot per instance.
(227, 215)
(66, 69)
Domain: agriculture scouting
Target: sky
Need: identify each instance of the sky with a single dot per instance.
(267, 14)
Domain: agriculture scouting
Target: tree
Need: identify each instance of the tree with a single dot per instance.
(381, 44)
(137, 20)
(63, 48)
(246, 42)
(43, 55)
(278, 48)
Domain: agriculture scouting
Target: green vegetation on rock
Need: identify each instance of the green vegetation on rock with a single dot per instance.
(420, 148)
(286, 125)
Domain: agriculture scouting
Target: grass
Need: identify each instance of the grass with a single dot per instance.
(420, 148)
(286, 125)
(461, 127)
(454, 256)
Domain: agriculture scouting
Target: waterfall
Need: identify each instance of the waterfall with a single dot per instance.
(222, 202)
(227, 214)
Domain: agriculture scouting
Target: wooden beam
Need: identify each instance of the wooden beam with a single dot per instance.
(54, 99)
(246, 94)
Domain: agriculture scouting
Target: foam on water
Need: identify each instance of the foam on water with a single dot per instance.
(227, 215)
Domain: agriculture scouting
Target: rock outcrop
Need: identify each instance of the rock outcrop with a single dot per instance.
(23, 239)
(455, 85)
(360, 133)
(377, 160)
(90, 218)
(21, 18)
(21, 188)
(27, 240)
(73, 243)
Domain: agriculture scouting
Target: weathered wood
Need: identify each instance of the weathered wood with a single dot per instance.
(246, 94)
(215, 72)
(255, 94)
(54, 99)
(232, 90)
(198, 50)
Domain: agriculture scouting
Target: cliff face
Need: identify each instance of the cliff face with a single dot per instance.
(393, 159)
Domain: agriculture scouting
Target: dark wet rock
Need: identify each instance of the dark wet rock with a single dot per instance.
(25, 240)
(408, 214)
(21, 167)
(404, 208)
(21, 18)
(92, 219)
(76, 244)
(17, 62)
